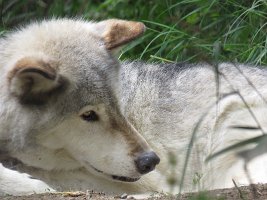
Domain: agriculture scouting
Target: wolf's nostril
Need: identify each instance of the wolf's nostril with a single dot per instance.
(146, 162)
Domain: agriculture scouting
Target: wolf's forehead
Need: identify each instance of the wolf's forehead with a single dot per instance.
(58, 29)
(66, 41)
(73, 49)
(54, 37)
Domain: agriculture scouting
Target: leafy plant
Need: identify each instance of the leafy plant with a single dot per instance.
(184, 30)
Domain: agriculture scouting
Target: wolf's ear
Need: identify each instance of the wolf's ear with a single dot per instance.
(34, 81)
(117, 32)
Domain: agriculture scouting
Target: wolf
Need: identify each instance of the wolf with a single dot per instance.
(75, 118)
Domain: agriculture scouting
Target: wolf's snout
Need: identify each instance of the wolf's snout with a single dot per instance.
(146, 162)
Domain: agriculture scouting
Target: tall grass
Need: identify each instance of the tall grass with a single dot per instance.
(184, 30)
(177, 30)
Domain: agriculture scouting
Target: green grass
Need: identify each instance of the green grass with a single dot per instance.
(178, 30)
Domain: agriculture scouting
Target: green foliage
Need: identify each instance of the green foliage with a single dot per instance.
(205, 196)
(197, 178)
(178, 30)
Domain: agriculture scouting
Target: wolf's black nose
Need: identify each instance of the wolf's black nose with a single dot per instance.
(146, 162)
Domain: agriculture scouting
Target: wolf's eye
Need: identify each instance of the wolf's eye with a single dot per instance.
(90, 116)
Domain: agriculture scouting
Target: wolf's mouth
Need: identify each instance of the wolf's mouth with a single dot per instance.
(124, 179)
(117, 178)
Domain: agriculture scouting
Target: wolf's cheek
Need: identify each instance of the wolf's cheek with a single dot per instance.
(98, 149)
(105, 144)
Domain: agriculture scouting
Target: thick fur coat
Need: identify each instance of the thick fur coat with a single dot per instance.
(73, 118)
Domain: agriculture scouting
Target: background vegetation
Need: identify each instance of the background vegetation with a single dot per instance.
(178, 30)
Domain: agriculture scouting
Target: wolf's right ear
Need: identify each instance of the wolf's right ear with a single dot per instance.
(34, 81)
(117, 32)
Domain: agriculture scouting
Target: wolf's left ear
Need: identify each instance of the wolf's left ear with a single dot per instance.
(34, 81)
(117, 32)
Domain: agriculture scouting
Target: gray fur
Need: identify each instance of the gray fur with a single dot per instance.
(141, 107)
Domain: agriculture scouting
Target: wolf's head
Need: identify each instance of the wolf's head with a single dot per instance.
(61, 95)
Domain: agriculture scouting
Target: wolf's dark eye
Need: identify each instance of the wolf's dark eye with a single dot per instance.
(90, 116)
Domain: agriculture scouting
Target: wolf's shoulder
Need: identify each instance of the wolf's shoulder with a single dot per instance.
(178, 66)
(160, 70)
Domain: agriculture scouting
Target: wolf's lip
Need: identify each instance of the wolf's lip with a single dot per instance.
(125, 179)
(115, 177)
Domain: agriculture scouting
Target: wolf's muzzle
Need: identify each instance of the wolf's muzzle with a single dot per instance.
(146, 162)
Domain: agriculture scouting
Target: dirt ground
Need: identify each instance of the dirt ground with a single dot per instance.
(253, 192)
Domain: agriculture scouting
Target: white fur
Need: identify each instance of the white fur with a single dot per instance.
(16, 183)
(141, 107)
(52, 141)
